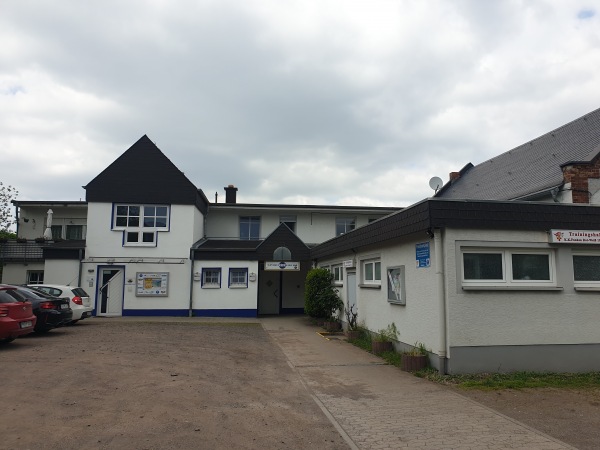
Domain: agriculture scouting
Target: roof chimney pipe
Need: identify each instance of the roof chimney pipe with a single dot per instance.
(230, 194)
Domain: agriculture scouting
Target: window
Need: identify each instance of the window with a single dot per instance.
(290, 221)
(249, 227)
(139, 223)
(211, 278)
(56, 232)
(35, 276)
(509, 268)
(586, 270)
(74, 232)
(238, 278)
(338, 273)
(344, 224)
(372, 272)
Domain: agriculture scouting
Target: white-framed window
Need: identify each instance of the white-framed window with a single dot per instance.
(510, 268)
(586, 270)
(35, 276)
(140, 223)
(344, 224)
(211, 278)
(290, 221)
(249, 227)
(371, 271)
(238, 277)
(338, 273)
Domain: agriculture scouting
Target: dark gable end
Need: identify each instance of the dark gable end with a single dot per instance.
(143, 174)
(282, 236)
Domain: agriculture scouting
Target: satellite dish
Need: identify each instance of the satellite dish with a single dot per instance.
(436, 183)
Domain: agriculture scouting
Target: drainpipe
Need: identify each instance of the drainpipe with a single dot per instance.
(191, 310)
(80, 268)
(439, 274)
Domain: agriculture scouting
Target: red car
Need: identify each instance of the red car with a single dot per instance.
(16, 317)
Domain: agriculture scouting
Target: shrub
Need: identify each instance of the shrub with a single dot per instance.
(320, 297)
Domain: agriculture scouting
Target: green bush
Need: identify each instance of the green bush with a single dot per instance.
(321, 299)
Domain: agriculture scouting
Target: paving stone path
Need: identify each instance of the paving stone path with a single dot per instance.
(377, 406)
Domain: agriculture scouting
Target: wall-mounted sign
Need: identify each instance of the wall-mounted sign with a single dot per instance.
(349, 263)
(282, 265)
(574, 237)
(152, 284)
(423, 255)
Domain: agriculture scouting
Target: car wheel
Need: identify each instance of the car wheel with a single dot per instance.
(6, 340)
(42, 330)
(73, 322)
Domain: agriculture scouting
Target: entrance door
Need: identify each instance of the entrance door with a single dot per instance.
(110, 293)
(269, 292)
(351, 281)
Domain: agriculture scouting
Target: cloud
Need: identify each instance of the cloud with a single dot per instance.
(297, 102)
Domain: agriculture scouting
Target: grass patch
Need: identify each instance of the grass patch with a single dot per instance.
(364, 342)
(514, 380)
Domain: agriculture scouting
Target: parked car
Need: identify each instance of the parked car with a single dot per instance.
(80, 300)
(16, 316)
(51, 312)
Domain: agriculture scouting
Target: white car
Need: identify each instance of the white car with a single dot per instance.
(80, 300)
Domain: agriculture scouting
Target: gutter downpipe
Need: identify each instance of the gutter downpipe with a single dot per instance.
(439, 274)
(191, 309)
(80, 267)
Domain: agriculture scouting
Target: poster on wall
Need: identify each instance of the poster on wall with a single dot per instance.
(395, 278)
(152, 284)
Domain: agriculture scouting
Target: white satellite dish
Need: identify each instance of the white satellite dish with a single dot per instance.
(436, 183)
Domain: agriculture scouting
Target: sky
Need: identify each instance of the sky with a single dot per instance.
(294, 102)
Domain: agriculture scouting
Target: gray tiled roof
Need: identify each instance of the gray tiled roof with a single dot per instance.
(530, 168)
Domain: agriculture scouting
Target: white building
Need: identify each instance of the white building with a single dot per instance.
(148, 242)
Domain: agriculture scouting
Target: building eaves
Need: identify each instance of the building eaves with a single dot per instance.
(464, 214)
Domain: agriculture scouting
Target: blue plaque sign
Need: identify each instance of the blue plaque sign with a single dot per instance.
(423, 255)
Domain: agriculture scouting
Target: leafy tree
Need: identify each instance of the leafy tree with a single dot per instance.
(7, 193)
(320, 297)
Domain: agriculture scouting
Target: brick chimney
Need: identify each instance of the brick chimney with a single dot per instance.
(454, 176)
(578, 175)
(230, 194)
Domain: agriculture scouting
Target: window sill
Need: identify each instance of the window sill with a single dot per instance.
(587, 288)
(211, 287)
(395, 302)
(370, 286)
(512, 288)
(338, 284)
(239, 287)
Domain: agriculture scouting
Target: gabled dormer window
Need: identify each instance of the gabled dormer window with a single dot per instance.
(140, 223)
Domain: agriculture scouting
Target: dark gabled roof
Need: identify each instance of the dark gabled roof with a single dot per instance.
(225, 249)
(282, 236)
(65, 203)
(467, 214)
(534, 167)
(143, 174)
(328, 208)
(251, 250)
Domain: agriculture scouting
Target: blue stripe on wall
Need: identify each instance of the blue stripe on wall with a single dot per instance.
(156, 312)
(225, 312)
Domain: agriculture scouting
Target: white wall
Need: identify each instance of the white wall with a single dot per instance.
(311, 227)
(17, 273)
(518, 317)
(225, 297)
(417, 320)
(36, 215)
(102, 241)
(59, 271)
